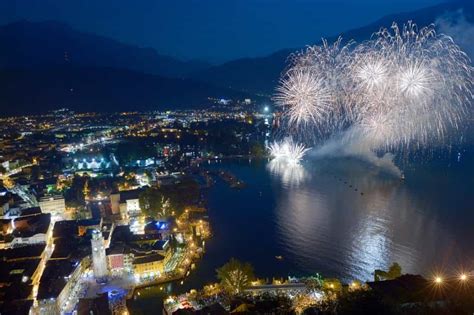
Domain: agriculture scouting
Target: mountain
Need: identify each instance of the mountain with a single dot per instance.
(46, 65)
(38, 44)
(261, 75)
(100, 89)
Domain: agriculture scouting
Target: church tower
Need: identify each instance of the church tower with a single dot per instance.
(99, 259)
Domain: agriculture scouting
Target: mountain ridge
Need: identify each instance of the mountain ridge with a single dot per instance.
(267, 69)
(102, 89)
(36, 44)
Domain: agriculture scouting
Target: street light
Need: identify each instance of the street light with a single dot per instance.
(438, 280)
(463, 277)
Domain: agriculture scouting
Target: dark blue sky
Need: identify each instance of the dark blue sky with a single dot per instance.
(214, 30)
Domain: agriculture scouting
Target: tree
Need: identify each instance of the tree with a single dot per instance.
(393, 272)
(257, 150)
(35, 172)
(129, 152)
(362, 302)
(151, 202)
(332, 285)
(235, 276)
(75, 193)
(303, 301)
(182, 195)
(313, 282)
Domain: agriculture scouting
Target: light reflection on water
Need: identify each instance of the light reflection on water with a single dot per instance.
(326, 222)
(318, 223)
(290, 174)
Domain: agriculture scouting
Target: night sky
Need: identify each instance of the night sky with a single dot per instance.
(211, 30)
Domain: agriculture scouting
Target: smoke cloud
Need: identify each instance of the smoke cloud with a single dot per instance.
(456, 25)
(340, 146)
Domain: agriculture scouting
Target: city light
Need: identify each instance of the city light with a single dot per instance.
(137, 209)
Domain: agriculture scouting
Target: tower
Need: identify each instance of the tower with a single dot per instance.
(99, 259)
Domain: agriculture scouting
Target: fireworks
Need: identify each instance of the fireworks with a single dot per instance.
(405, 87)
(307, 96)
(286, 156)
(287, 151)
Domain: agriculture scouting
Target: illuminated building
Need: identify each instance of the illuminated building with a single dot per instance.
(149, 265)
(126, 203)
(53, 204)
(29, 230)
(119, 259)
(57, 284)
(99, 259)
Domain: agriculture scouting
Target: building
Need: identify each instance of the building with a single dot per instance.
(145, 255)
(99, 259)
(115, 203)
(4, 205)
(57, 284)
(33, 229)
(53, 204)
(120, 259)
(148, 266)
(126, 203)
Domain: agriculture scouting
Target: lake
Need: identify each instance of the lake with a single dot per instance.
(341, 218)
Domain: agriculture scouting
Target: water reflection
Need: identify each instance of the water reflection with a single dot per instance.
(349, 225)
(343, 220)
(290, 174)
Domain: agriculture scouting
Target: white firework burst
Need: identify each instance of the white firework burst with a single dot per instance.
(372, 74)
(304, 97)
(415, 80)
(404, 87)
(288, 151)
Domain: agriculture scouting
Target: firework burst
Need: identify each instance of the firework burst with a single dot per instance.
(288, 151)
(405, 87)
(305, 97)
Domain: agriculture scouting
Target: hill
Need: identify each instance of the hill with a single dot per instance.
(261, 75)
(28, 45)
(100, 89)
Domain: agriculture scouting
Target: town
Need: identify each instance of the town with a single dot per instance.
(96, 205)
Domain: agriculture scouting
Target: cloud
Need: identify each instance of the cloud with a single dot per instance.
(456, 25)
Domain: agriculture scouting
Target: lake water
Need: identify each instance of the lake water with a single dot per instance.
(340, 218)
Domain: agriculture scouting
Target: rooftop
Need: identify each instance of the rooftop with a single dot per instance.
(21, 307)
(130, 194)
(19, 272)
(24, 252)
(55, 278)
(148, 259)
(32, 225)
